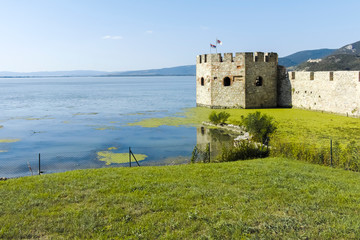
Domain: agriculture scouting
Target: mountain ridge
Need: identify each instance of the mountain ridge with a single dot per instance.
(344, 58)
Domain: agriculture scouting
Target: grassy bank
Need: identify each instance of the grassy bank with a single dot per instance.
(295, 125)
(267, 198)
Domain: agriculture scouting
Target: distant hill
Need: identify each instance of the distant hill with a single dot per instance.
(75, 73)
(299, 57)
(344, 58)
(188, 70)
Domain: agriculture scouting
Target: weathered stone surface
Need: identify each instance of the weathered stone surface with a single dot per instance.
(254, 80)
(337, 92)
(230, 81)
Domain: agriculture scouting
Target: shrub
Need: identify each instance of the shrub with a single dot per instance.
(242, 151)
(218, 118)
(259, 126)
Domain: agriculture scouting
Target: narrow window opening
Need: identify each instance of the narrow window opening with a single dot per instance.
(292, 75)
(331, 76)
(311, 75)
(227, 81)
(202, 81)
(202, 131)
(259, 81)
(256, 58)
(266, 58)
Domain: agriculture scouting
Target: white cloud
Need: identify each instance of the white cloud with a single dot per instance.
(149, 31)
(112, 37)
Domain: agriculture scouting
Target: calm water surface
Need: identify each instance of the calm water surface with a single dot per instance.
(69, 120)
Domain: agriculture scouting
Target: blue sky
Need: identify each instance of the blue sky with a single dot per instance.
(116, 35)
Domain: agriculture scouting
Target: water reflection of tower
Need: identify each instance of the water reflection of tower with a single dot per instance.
(216, 137)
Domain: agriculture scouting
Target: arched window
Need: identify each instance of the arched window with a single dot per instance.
(227, 81)
(202, 81)
(259, 81)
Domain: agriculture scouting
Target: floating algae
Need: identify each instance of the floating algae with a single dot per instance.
(9, 140)
(188, 117)
(110, 157)
(112, 148)
(81, 114)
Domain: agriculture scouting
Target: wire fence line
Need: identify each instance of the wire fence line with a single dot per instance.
(50, 162)
(334, 155)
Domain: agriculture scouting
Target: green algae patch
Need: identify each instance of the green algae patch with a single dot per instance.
(35, 119)
(103, 127)
(85, 114)
(110, 157)
(294, 125)
(189, 117)
(9, 140)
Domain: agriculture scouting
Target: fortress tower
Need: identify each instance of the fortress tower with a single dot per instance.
(246, 80)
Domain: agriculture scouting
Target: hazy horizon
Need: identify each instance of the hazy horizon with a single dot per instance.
(116, 36)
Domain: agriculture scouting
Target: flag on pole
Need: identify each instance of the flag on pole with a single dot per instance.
(218, 41)
(212, 45)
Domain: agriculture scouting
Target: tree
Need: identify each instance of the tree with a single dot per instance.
(218, 118)
(259, 126)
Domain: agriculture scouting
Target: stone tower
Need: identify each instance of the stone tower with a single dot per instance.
(246, 80)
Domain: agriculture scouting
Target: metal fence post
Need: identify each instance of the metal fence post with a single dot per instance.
(129, 157)
(209, 152)
(331, 153)
(39, 165)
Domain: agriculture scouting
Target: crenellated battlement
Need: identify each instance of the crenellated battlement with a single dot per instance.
(238, 57)
(255, 80)
(325, 76)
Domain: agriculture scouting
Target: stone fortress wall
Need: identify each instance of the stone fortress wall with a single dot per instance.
(233, 82)
(332, 91)
(229, 81)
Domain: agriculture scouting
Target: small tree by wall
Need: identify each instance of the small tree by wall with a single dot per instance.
(259, 126)
(218, 118)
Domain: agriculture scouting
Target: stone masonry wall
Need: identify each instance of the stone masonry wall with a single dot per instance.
(284, 98)
(337, 91)
(215, 69)
(263, 66)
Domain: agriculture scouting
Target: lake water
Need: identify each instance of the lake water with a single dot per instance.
(70, 120)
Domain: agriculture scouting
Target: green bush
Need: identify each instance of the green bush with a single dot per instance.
(218, 118)
(242, 151)
(259, 126)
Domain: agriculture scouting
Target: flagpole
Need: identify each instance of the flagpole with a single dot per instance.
(216, 45)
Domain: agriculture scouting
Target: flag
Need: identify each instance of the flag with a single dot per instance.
(218, 41)
(213, 46)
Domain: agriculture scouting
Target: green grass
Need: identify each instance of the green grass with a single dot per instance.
(269, 198)
(295, 125)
